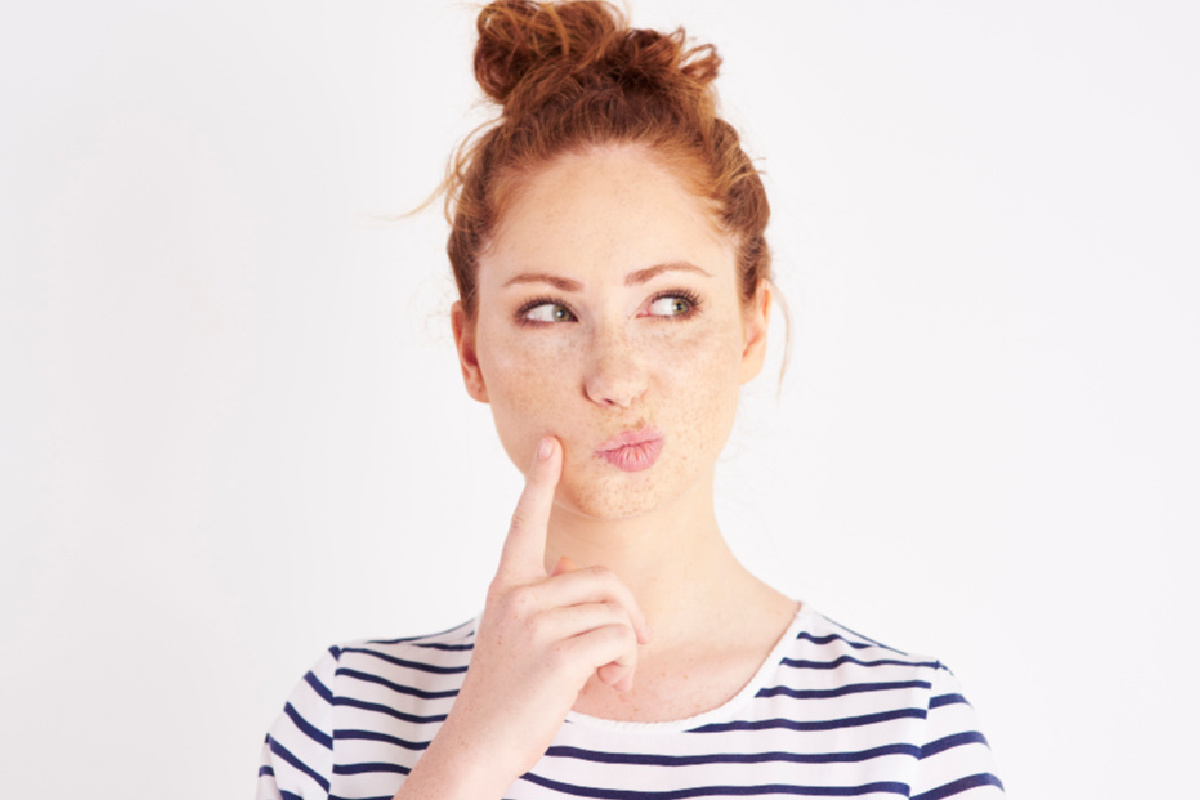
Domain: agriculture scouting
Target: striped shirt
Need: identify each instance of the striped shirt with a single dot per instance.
(830, 713)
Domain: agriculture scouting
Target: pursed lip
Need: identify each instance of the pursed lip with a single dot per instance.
(632, 451)
(640, 436)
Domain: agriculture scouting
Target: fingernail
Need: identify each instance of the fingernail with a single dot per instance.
(545, 448)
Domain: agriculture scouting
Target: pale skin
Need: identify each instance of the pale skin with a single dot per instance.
(607, 302)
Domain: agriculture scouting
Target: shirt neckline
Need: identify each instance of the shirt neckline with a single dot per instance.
(721, 713)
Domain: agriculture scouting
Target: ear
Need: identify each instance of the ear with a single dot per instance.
(756, 317)
(464, 342)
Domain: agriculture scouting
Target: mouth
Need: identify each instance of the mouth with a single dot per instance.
(632, 451)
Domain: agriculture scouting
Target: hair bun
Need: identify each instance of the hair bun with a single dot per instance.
(530, 48)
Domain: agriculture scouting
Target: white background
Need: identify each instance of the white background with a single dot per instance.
(232, 429)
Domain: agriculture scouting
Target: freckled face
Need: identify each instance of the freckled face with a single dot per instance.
(608, 302)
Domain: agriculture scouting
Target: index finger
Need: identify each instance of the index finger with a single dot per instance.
(523, 556)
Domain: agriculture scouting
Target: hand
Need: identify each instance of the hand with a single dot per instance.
(540, 638)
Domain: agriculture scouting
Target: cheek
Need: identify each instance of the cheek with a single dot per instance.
(691, 374)
(523, 372)
(700, 373)
(527, 391)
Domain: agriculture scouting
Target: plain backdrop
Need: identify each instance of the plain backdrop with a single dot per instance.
(232, 429)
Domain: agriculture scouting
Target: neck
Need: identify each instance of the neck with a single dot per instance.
(674, 560)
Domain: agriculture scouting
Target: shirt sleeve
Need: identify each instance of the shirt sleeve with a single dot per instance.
(297, 756)
(955, 760)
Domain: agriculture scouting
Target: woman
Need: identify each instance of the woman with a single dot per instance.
(608, 245)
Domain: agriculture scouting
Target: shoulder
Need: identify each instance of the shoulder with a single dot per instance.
(367, 687)
(374, 660)
(820, 643)
(888, 685)
(841, 645)
(441, 652)
(826, 660)
(422, 667)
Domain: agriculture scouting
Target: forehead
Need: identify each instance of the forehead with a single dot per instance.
(605, 211)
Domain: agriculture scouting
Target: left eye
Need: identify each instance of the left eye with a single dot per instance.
(670, 306)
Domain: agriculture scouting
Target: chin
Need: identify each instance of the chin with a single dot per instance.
(612, 497)
(607, 509)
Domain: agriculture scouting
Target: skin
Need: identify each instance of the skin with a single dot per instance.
(626, 361)
(607, 301)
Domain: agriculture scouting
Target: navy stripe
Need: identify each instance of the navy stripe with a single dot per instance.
(831, 637)
(864, 638)
(284, 794)
(889, 787)
(370, 766)
(823, 722)
(350, 702)
(837, 662)
(850, 688)
(286, 755)
(946, 700)
(815, 725)
(450, 648)
(400, 662)
(307, 728)
(961, 785)
(954, 740)
(643, 759)
(395, 687)
(354, 734)
(318, 687)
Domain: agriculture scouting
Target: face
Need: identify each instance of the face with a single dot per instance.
(609, 316)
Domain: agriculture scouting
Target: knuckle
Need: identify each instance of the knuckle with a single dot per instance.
(496, 590)
(609, 643)
(624, 636)
(630, 635)
(617, 642)
(611, 584)
(601, 579)
(616, 613)
(561, 657)
(538, 628)
(521, 600)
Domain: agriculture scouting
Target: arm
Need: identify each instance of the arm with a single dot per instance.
(297, 756)
(955, 758)
(540, 638)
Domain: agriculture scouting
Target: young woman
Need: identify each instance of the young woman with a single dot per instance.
(608, 245)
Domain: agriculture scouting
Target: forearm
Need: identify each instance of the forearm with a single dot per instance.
(451, 768)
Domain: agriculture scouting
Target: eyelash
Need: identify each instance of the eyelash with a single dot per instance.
(523, 311)
(689, 297)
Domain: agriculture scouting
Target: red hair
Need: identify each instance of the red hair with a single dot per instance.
(573, 75)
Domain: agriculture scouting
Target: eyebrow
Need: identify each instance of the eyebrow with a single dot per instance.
(560, 283)
(643, 275)
(632, 279)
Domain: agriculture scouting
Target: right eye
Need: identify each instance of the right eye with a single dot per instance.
(546, 311)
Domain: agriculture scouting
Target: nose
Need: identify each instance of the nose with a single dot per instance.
(614, 374)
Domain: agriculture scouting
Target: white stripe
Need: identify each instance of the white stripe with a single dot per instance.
(673, 739)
